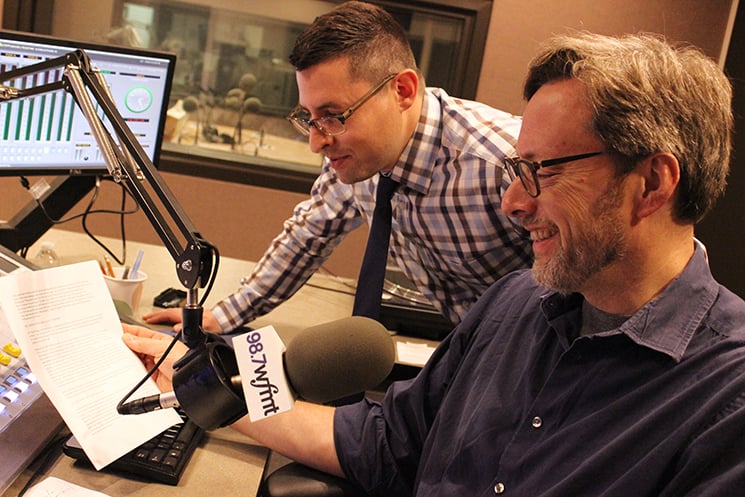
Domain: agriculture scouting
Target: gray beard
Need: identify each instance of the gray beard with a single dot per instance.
(601, 243)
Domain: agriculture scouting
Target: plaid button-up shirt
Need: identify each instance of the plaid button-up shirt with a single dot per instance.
(449, 235)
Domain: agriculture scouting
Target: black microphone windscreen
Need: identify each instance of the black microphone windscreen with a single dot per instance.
(190, 104)
(338, 359)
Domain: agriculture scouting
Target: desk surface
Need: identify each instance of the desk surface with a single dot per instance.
(326, 298)
(226, 462)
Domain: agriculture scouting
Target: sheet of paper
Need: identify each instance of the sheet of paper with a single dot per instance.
(66, 324)
(416, 354)
(54, 487)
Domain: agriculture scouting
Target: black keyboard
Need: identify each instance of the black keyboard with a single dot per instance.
(161, 459)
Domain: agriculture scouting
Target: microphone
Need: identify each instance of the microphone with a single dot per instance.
(322, 363)
(251, 105)
(190, 104)
(334, 360)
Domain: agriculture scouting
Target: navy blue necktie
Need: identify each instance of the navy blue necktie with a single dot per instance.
(372, 271)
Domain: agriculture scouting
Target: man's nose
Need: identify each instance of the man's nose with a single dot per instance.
(516, 202)
(317, 140)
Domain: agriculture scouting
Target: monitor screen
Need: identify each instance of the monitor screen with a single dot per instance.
(48, 134)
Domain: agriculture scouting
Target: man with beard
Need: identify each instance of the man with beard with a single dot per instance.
(616, 366)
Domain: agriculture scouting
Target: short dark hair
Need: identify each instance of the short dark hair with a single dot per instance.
(649, 96)
(370, 37)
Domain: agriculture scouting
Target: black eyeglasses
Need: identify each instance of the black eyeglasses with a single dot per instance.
(332, 125)
(526, 169)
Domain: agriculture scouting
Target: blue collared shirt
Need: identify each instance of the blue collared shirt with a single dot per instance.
(515, 402)
(449, 235)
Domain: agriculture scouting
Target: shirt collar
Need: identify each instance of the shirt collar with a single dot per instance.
(414, 167)
(662, 324)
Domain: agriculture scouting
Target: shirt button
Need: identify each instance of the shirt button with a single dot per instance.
(499, 488)
(537, 422)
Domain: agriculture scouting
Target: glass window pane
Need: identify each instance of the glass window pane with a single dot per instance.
(233, 84)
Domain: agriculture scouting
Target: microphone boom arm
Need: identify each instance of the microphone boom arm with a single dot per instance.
(202, 377)
(127, 163)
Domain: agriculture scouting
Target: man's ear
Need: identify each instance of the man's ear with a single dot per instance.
(407, 86)
(660, 177)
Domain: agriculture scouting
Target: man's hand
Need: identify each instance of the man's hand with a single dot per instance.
(173, 315)
(150, 346)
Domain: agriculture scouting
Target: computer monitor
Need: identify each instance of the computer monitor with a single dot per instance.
(47, 134)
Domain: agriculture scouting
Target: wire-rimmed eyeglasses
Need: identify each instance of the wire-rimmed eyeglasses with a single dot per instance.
(526, 169)
(332, 125)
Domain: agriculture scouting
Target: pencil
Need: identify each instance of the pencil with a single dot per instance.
(109, 266)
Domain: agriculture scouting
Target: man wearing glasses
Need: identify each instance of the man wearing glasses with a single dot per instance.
(616, 365)
(363, 105)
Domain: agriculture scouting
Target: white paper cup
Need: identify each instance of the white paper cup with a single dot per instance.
(126, 294)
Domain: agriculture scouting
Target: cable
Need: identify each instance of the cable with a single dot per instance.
(328, 289)
(87, 211)
(390, 288)
(213, 275)
(121, 212)
(50, 455)
(152, 370)
(338, 279)
(177, 336)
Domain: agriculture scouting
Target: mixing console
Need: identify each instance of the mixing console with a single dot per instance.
(28, 421)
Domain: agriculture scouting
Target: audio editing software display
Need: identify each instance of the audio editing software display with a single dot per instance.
(48, 134)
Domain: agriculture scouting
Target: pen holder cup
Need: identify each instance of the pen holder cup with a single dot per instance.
(126, 294)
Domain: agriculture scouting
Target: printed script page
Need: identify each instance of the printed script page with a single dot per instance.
(54, 487)
(66, 324)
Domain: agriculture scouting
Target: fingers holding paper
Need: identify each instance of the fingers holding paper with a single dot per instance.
(150, 346)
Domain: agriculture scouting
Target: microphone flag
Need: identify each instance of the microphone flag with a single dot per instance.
(260, 357)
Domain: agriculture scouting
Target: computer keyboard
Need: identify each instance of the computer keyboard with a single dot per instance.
(161, 459)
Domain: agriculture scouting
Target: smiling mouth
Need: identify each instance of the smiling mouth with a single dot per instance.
(336, 158)
(542, 234)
